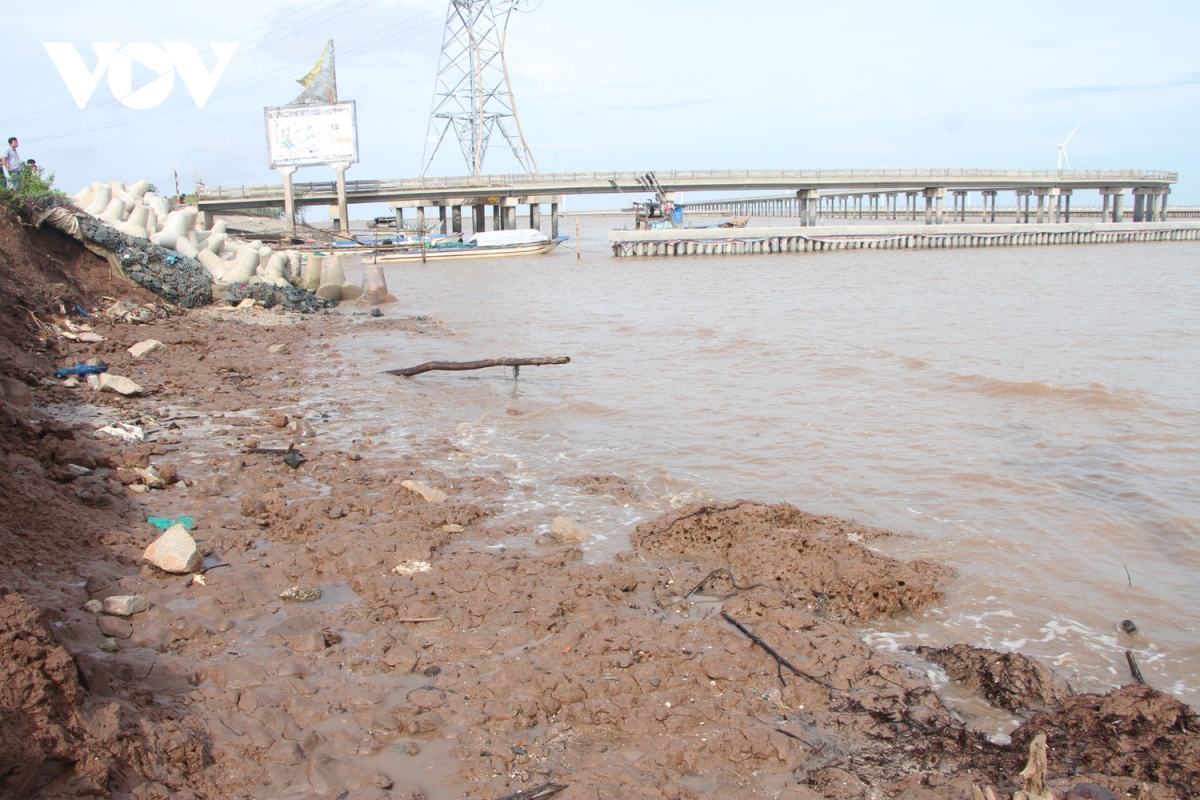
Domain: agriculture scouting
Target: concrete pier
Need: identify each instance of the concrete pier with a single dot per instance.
(745, 241)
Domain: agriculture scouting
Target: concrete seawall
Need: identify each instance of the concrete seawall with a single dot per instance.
(745, 241)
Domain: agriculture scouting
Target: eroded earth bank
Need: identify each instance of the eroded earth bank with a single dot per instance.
(441, 660)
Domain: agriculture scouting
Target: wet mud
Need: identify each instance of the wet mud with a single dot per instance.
(444, 657)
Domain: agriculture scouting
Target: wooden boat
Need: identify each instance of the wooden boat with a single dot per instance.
(492, 244)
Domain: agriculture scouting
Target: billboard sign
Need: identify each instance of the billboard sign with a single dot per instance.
(312, 136)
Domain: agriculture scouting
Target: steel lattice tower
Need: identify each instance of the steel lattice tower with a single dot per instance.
(473, 95)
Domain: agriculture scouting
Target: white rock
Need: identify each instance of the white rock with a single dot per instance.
(118, 384)
(430, 494)
(143, 348)
(151, 477)
(71, 382)
(568, 531)
(94, 607)
(175, 551)
(91, 337)
(125, 605)
(124, 430)
(277, 349)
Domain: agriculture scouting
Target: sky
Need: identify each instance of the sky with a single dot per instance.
(623, 85)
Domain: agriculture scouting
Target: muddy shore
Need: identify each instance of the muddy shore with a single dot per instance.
(440, 661)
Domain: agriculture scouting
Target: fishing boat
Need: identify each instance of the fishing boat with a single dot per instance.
(489, 244)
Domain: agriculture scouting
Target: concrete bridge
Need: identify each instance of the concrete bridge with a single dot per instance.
(810, 189)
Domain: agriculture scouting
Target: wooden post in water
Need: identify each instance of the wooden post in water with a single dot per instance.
(577, 252)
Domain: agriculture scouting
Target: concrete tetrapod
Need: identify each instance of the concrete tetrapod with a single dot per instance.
(244, 265)
(114, 211)
(213, 263)
(332, 278)
(100, 200)
(312, 271)
(374, 286)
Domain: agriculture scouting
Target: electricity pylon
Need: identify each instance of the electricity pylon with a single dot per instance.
(473, 95)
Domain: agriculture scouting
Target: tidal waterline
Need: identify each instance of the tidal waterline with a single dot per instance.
(1028, 416)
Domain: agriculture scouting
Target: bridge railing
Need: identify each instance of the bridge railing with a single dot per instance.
(513, 182)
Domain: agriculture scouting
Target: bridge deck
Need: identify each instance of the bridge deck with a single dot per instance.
(489, 188)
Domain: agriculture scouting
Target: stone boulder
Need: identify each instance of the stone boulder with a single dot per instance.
(430, 494)
(568, 531)
(145, 348)
(125, 605)
(175, 551)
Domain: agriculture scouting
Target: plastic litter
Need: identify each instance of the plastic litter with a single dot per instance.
(123, 430)
(162, 523)
(82, 313)
(82, 370)
(294, 459)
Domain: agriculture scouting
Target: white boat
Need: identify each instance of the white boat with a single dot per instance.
(486, 244)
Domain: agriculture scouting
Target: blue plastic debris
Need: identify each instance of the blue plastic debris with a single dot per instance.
(162, 523)
(80, 370)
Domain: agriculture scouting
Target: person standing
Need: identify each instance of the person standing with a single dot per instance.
(12, 163)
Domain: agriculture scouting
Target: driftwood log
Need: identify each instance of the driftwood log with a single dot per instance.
(429, 366)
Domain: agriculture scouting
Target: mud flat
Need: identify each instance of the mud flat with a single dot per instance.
(439, 659)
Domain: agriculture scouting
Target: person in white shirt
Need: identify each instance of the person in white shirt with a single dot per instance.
(12, 163)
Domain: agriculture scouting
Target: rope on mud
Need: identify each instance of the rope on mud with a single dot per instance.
(543, 792)
(732, 580)
(802, 740)
(783, 662)
(704, 510)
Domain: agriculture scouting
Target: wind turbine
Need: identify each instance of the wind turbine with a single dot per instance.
(1062, 146)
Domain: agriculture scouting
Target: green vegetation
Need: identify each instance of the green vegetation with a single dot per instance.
(34, 188)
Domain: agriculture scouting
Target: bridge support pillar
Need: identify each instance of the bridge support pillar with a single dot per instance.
(891, 204)
(1065, 201)
(1104, 202)
(934, 196)
(554, 221)
(343, 212)
(442, 220)
(1144, 205)
(289, 198)
(399, 222)
(1117, 193)
(497, 219)
(1162, 204)
(809, 201)
(1047, 205)
(535, 216)
(479, 218)
(456, 219)
(910, 206)
(1023, 195)
(989, 197)
(421, 220)
(508, 213)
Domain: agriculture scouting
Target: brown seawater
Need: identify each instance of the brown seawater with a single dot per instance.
(1029, 416)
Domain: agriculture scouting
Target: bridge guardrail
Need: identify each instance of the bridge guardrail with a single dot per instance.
(519, 182)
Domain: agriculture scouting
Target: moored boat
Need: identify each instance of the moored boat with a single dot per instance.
(489, 244)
